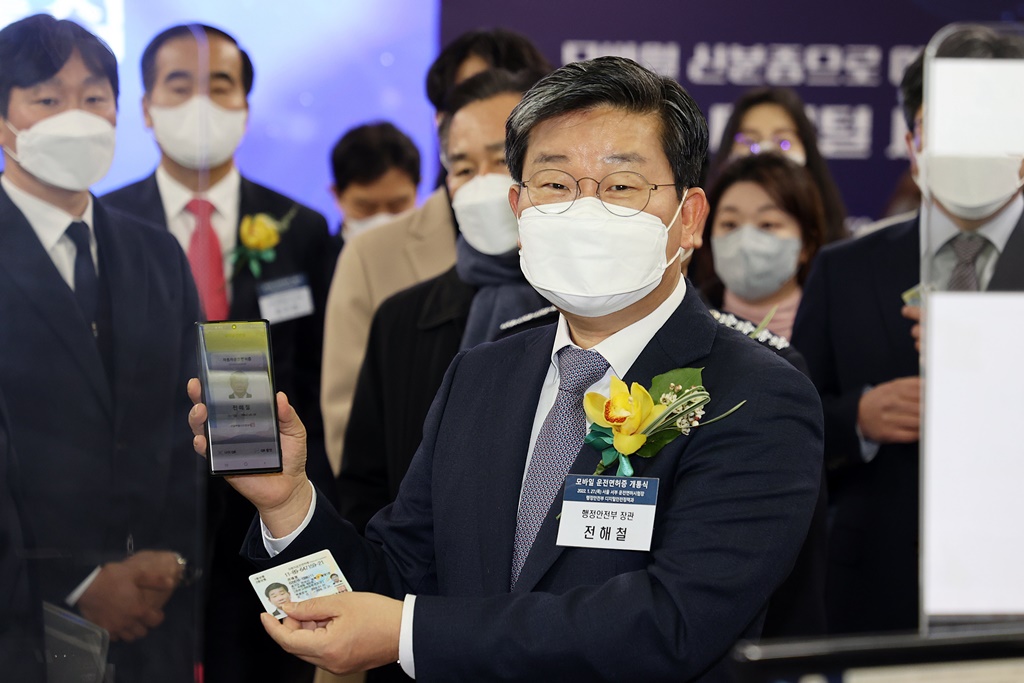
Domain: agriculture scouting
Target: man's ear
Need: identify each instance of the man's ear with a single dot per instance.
(513, 198)
(908, 139)
(692, 217)
(147, 119)
(7, 136)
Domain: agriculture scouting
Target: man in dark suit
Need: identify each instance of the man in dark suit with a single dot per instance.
(858, 338)
(470, 543)
(271, 258)
(104, 307)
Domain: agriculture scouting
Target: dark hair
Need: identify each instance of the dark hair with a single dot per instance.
(971, 41)
(367, 152)
(483, 86)
(501, 49)
(274, 587)
(792, 189)
(34, 49)
(835, 210)
(189, 31)
(624, 84)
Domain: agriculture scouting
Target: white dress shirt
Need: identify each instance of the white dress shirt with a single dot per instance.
(225, 197)
(620, 350)
(937, 244)
(50, 225)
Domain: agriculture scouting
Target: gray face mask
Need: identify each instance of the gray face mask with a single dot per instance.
(753, 263)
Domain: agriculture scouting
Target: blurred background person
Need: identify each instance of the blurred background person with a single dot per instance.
(417, 332)
(376, 170)
(774, 120)
(244, 241)
(859, 339)
(411, 249)
(765, 226)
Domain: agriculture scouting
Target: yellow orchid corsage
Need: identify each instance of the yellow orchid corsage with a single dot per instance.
(258, 235)
(628, 421)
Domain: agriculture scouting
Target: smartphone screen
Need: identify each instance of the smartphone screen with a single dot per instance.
(238, 389)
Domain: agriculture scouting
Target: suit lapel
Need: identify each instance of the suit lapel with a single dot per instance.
(499, 491)
(1009, 273)
(124, 264)
(25, 260)
(892, 277)
(149, 205)
(244, 299)
(685, 337)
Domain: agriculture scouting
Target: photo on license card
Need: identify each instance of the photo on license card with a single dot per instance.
(312, 576)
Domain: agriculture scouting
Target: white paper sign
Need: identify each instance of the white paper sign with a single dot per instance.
(608, 512)
(972, 454)
(974, 107)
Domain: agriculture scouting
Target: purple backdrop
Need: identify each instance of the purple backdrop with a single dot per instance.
(844, 59)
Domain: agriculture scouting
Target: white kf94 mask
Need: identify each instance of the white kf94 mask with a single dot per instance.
(589, 262)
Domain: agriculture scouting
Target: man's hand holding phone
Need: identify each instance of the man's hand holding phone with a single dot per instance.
(282, 499)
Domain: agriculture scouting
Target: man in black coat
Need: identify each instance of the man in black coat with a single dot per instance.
(859, 341)
(98, 339)
(272, 258)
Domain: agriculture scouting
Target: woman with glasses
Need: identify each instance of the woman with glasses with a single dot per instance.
(765, 225)
(773, 120)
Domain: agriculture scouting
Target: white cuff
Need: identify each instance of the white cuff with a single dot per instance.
(75, 595)
(405, 638)
(275, 546)
(868, 448)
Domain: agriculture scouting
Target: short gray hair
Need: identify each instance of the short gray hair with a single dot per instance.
(624, 84)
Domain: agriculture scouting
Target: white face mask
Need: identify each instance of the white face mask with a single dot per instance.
(71, 150)
(754, 264)
(589, 262)
(485, 218)
(971, 188)
(355, 226)
(199, 133)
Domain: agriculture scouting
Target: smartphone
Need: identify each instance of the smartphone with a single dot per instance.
(237, 374)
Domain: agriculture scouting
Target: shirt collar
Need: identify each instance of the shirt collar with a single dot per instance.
(997, 230)
(48, 221)
(623, 348)
(225, 193)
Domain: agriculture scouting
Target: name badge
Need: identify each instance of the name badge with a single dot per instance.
(608, 512)
(285, 298)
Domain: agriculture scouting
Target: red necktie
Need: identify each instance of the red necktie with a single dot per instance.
(207, 262)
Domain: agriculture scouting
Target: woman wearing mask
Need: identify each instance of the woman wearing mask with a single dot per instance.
(765, 226)
(773, 120)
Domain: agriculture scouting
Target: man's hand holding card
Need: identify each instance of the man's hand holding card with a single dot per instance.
(322, 620)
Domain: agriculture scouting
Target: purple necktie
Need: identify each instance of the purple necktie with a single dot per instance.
(558, 443)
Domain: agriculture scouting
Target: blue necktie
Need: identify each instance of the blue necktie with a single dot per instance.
(558, 443)
(86, 282)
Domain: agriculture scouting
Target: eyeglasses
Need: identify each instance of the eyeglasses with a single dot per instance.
(623, 193)
(745, 142)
